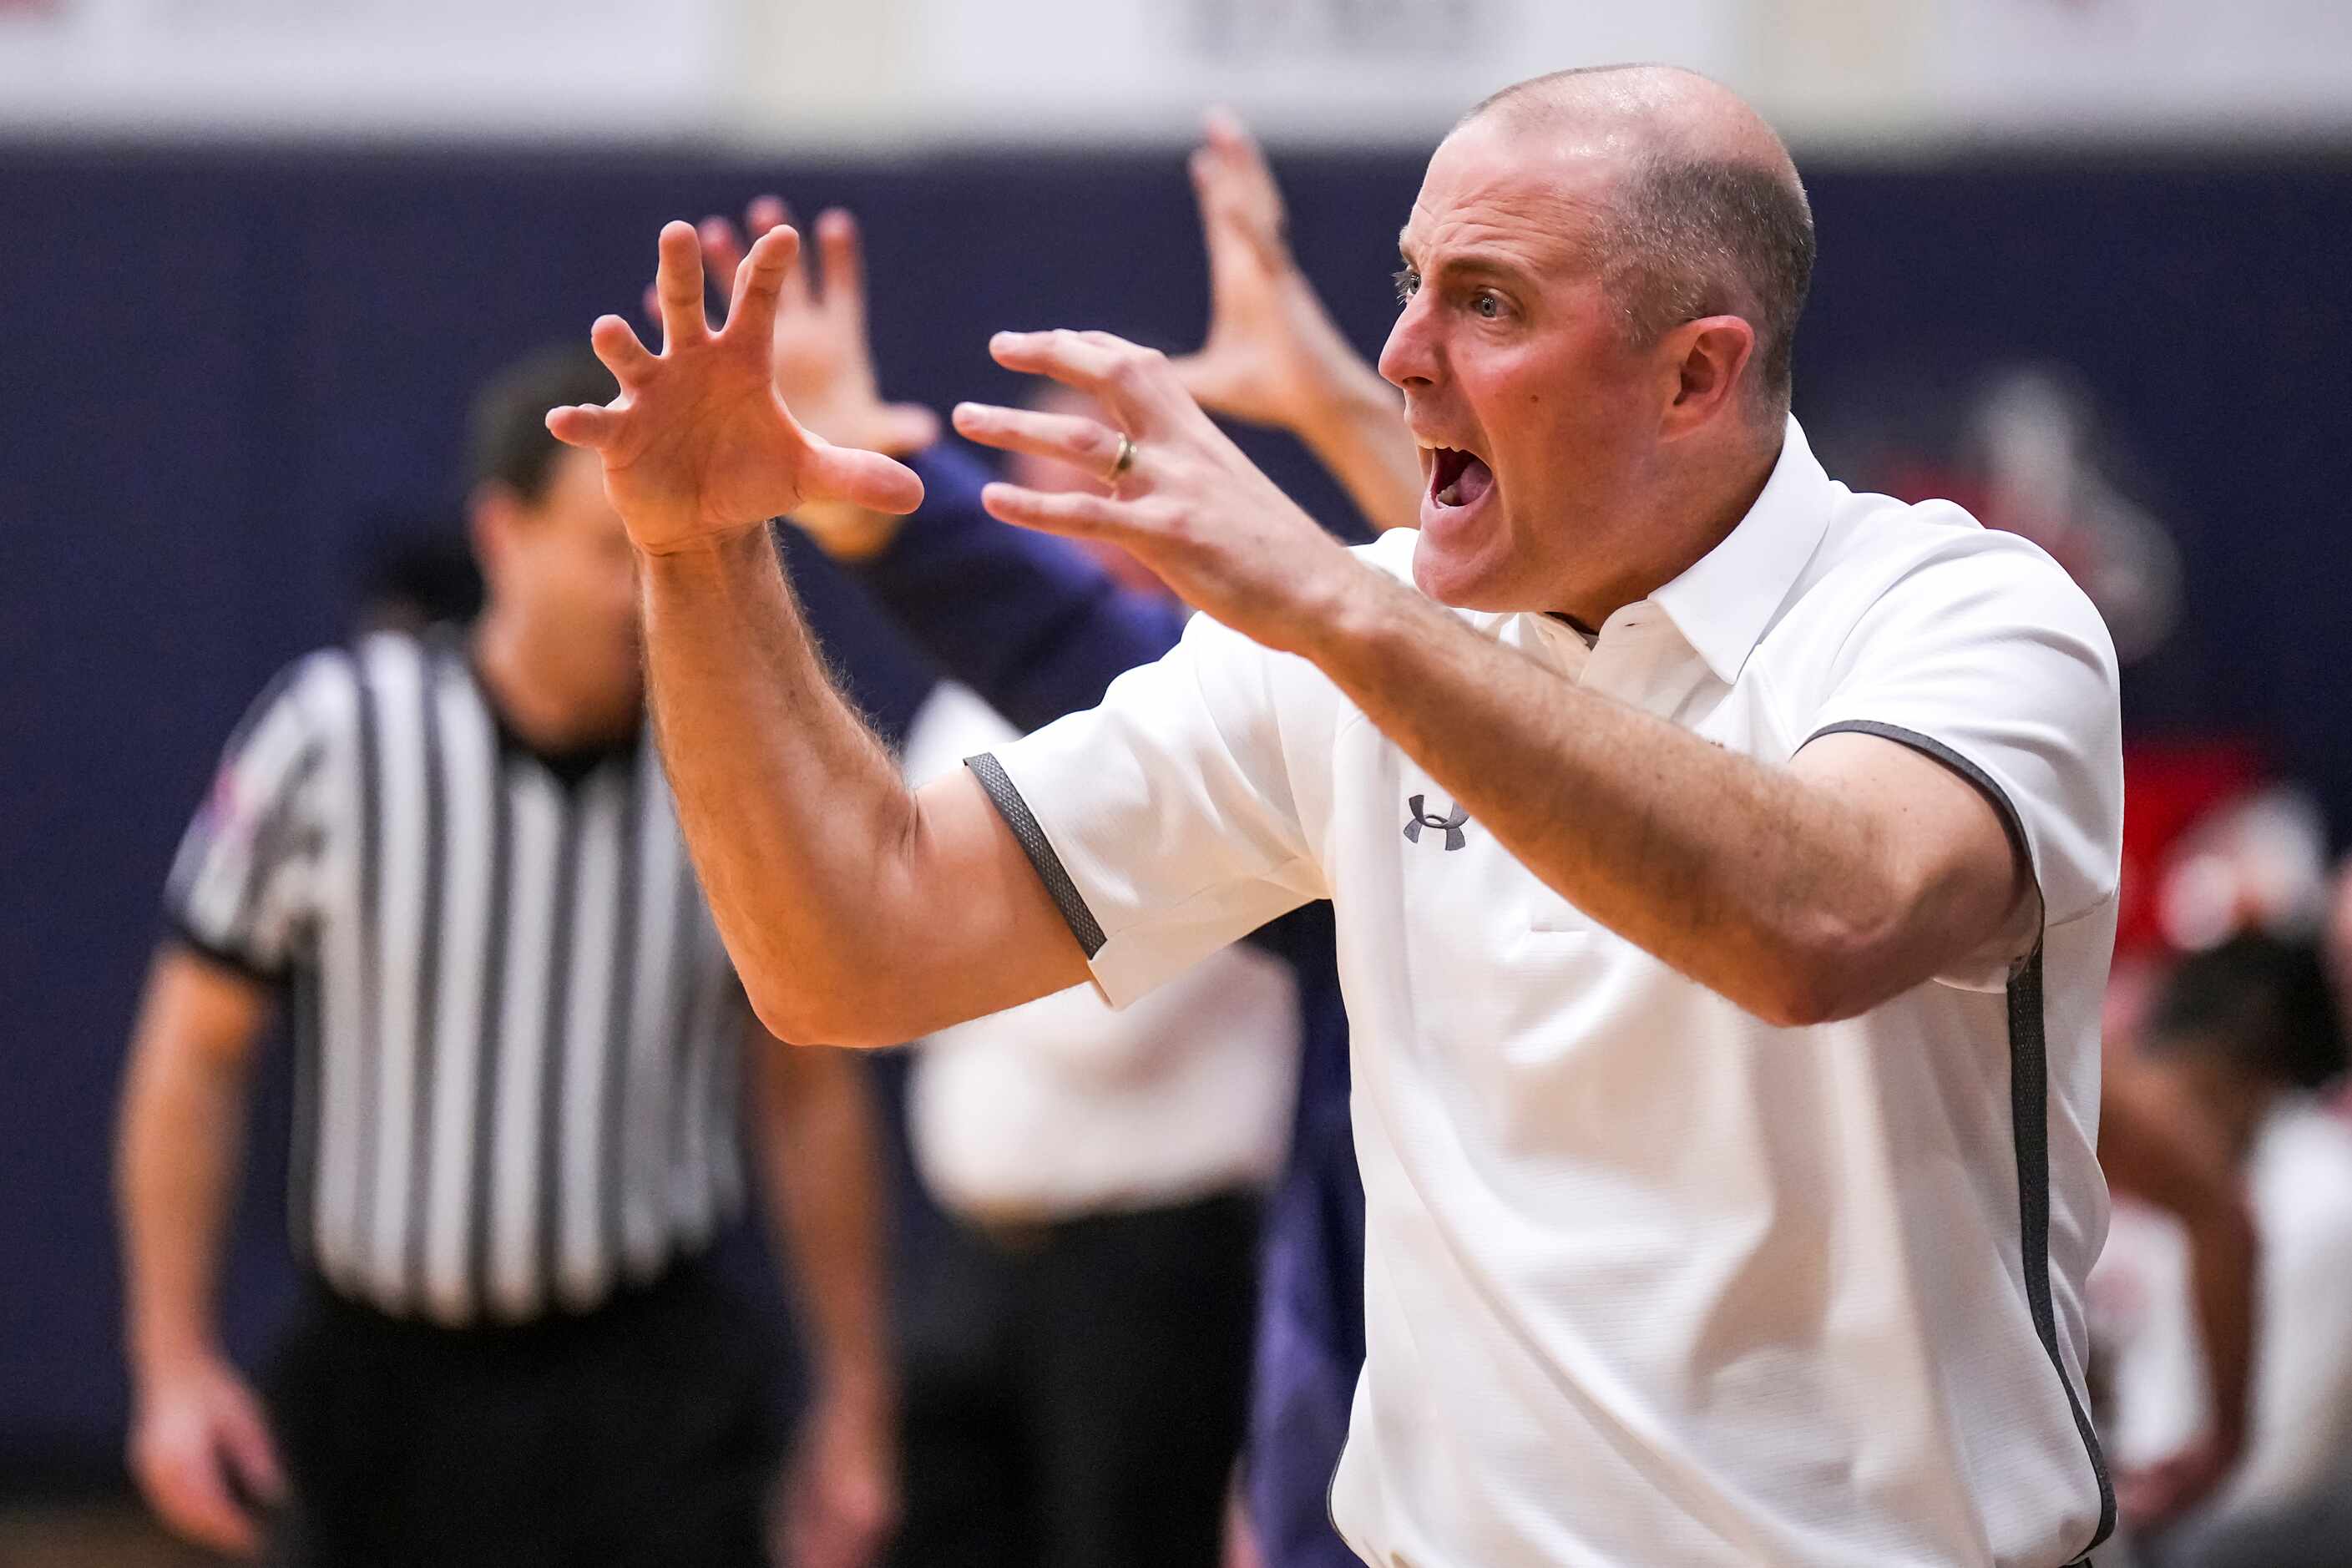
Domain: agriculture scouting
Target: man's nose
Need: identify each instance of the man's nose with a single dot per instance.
(1410, 356)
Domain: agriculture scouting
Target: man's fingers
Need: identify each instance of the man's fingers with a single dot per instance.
(723, 252)
(1074, 514)
(584, 425)
(1241, 206)
(1228, 247)
(1133, 383)
(245, 1435)
(189, 1491)
(1211, 380)
(1240, 157)
(765, 213)
(862, 479)
(761, 281)
(617, 346)
(1086, 445)
(845, 265)
(764, 217)
(1223, 129)
(1067, 357)
(905, 427)
(678, 283)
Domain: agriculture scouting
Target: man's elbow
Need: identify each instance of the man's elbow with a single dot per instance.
(1827, 975)
(801, 1016)
(1799, 1000)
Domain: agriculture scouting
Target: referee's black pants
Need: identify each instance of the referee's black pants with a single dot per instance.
(1075, 1393)
(637, 1433)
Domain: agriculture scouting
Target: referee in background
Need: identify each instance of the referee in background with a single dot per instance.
(518, 1046)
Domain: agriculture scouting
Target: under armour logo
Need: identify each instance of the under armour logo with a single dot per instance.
(1450, 825)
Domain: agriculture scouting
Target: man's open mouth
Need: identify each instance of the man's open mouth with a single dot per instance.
(1457, 478)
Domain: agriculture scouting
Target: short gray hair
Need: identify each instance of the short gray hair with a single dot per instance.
(1687, 238)
(1688, 233)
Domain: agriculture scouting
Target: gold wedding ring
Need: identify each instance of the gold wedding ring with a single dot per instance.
(1123, 462)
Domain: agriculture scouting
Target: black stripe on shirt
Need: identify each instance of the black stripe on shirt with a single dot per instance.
(556, 1040)
(302, 1151)
(428, 974)
(2028, 1104)
(629, 832)
(371, 832)
(489, 1020)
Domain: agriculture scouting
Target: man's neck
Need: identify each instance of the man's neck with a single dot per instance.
(528, 681)
(1719, 506)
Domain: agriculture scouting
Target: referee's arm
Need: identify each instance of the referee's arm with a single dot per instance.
(198, 1440)
(814, 1139)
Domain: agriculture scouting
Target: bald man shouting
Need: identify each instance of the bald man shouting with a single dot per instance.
(1724, 861)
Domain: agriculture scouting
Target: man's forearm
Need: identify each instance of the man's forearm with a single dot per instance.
(1029, 621)
(2221, 1259)
(1359, 437)
(795, 814)
(1748, 879)
(817, 1153)
(2157, 1148)
(176, 1177)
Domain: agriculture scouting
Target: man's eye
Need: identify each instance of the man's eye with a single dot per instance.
(1489, 307)
(1408, 284)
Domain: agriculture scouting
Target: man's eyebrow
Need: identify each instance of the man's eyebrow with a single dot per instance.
(1470, 263)
(1483, 264)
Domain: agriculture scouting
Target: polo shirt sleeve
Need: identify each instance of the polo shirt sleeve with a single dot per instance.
(1166, 821)
(239, 885)
(1985, 655)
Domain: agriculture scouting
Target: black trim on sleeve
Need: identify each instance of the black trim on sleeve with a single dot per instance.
(1006, 798)
(2010, 822)
(2029, 1107)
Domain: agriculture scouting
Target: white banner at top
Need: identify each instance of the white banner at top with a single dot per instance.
(303, 69)
(1377, 71)
(834, 77)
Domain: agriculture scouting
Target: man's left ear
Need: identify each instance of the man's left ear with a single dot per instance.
(1710, 357)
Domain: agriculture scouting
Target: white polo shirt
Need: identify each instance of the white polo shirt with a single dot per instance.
(1061, 1108)
(1648, 1280)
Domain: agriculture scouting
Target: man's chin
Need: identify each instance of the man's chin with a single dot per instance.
(1455, 576)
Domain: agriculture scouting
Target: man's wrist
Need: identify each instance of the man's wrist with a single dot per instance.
(852, 535)
(1349, 615)
(707, 546)
(161, 1351)
(1356, 400)
(707, 561)
(859, 1385)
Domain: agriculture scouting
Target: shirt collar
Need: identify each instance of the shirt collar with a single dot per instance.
(1724, 603)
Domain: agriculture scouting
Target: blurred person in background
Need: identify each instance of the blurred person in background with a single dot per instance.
(517, 1041)
(423, 575)
(2156, 1148)
(1075, 1359)
(1041, 631)
(2241, 1041)
(2254, 859)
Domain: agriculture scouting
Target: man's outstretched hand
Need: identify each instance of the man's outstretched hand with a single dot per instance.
(698, 445)
(1273, 355)
(822, 357)
(1188, 504)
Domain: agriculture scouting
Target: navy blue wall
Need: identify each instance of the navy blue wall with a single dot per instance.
(219, 369)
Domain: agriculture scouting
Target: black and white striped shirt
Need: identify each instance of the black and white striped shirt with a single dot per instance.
(516, 1033)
